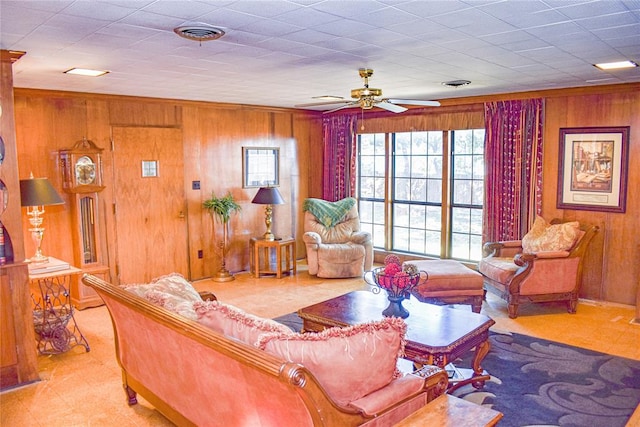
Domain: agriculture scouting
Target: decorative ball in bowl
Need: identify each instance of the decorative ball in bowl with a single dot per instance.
(397, 280)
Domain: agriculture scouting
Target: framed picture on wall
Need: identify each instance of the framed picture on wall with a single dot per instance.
(260, 167)
(593, 168)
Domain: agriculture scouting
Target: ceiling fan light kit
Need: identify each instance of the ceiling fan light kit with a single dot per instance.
(367, 98)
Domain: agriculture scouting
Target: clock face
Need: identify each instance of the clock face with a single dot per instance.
(85, 171)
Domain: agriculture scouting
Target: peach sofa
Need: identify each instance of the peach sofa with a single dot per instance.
(196, 375)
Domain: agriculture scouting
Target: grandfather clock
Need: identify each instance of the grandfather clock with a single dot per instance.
(81, 167)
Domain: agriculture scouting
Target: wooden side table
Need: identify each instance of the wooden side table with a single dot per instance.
(263, 265)
(55, 326)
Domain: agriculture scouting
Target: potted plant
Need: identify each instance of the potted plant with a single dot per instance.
(221, 209)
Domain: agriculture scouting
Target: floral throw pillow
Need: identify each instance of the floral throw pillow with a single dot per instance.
(172, 292)
(236, 323)
(546, 237)
(348, 362)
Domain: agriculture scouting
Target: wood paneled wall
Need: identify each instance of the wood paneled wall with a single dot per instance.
(612, 270)
(214, 134)
(213, 137)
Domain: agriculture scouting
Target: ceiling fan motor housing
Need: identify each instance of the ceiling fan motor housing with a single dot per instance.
(365, 91)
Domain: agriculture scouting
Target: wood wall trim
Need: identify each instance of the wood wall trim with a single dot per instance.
(11, 55)
(550, 93)
(49, 93)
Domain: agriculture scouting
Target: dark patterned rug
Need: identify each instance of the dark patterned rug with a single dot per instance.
(535, 382)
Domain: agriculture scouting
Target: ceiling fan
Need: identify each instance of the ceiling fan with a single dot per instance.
(367, 98)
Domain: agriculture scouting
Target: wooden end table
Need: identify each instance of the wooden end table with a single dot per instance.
(285, 250)
(435, 335)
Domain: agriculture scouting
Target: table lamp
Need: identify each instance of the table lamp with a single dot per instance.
(35, 194)
(268, 196)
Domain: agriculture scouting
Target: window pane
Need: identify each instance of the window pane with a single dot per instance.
(402, 166)
(365, 211)
(402, 143)
(367, 186)
(432, 243)
(419, 190)
(460, 246)
(475, 226)
(400, 239)
(460, 220)
(478, 167)
(417, 242)
(477, 197)
(378, 236)
(402, 189)
(401, 215)
(434, 169)
(434, 191)
(435, 143)
(418, 216)
(462, 167)
(462, 192)
(478, 141)
(379, 165)
(419, 166)
(434, 219)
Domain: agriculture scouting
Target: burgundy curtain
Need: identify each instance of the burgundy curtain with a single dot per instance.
(513, 166)
(339, 138)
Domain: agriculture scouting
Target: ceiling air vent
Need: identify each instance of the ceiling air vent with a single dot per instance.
(456, 83)
(199, 33)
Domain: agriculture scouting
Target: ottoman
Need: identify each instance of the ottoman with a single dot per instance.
(449, 282)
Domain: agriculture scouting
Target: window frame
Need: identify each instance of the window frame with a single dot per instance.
(446, 205)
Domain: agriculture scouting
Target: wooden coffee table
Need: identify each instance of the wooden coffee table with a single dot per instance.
(435, 335)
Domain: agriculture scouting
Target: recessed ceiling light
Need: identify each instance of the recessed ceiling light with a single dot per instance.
(86, 72)
(328, 98)
(456, 83)
(616, 65)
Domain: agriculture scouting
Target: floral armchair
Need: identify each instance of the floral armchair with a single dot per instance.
(546, 265)
(336, 247)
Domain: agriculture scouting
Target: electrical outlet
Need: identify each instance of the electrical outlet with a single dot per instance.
(200, 253)
(195, 185)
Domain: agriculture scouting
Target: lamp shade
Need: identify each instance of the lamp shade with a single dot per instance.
(268, 196)
(38, 192)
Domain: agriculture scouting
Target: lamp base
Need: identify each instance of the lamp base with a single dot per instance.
(269, 236)
(223, 276)
(37, 259)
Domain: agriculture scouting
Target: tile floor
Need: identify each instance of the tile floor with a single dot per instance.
(84, 389)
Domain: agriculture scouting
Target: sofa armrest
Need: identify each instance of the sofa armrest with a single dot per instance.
(207, 296)
(311, 238)
(429, 379)
(361, 237)
(552, 254)
(504, 248)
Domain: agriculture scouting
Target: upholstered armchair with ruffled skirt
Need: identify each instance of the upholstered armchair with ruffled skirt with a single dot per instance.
(546, 265)
(336, 247)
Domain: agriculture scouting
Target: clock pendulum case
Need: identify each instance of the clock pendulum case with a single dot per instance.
(81, 167)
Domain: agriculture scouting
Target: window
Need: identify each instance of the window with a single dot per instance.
(412, 185)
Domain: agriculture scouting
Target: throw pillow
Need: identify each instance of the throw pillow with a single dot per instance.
(546, 237)
(234, 322)
(172, 292)
(349, 362)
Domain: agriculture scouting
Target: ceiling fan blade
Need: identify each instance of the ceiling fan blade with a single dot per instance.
(316, 104)
(415, 102)
(391, 107)
(349, 105)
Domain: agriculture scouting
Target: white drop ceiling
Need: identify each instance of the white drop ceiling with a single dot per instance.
(285, 52)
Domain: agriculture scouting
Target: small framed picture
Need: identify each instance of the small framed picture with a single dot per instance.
(593, 169)
(260, 167)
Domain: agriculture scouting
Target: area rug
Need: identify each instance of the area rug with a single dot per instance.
(535, 382)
